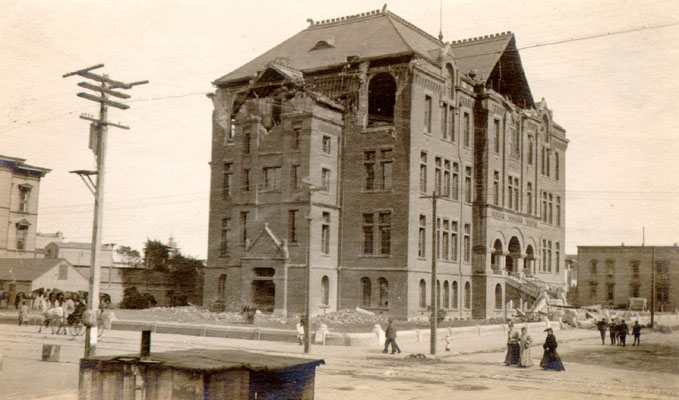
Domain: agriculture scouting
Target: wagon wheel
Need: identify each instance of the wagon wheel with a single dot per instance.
(77, 329)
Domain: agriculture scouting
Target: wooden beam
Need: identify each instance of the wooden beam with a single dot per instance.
(103, 100)
(103, 90)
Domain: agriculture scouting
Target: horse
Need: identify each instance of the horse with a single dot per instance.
(55, 316)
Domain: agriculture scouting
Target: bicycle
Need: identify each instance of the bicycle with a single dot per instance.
(77, 328)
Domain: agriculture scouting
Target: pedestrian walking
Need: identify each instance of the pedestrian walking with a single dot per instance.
(23, 313)
(550, 358)
(510, 348)
(300, 331)
(391, 338)
(449, 342)
(602, 326)
(525, 341)
(613, 328)
(636, 331)
(623, 330)
(513, 350)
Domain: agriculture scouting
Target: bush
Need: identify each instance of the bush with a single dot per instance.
(134, 300)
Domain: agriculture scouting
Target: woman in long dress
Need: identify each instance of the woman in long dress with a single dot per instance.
(551, 359)
(525, 342)
(510, 343)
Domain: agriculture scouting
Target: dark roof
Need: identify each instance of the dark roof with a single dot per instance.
(211, 359)
(373, 34)
(26, 269)
(481, 53)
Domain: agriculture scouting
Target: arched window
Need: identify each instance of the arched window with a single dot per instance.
(467, 295)
(365, 292)
(450, 81)
(498, 297)
(495, 257)
(456, 295)
(325, 291)
(381, 99)
(438, 294)
(221, 288)
(423, 294)
(384, 292)
(446, 295)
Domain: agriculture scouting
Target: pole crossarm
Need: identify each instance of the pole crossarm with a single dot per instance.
(81, 71)
(85, 176)
(103, 100)
(104, 90)
(93, 119)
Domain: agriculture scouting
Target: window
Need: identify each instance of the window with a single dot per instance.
(445, 241)
(444, 121)
(557, 255)
(467, 129)
(21, 236)
(510, 191)
(246, 142)
(295, 177)
(63, 272)
(635, 269)
(368, 233)
(224, 240)
(276, 111)
(325, 291)
(423, 172)
(592, 267)
(381, 99)
(24, 195)
(558, 211)
(244, 227)
(592, 291)
(438, 294)
(451, 123)
(529, 198)
(498, 297)
(385, 233)
(438, 175)
(516, 142)
(384, 292)
(450, 81)
(549, 255)
(427, 113)
(556, 166)
(227, 184)
(467, 243)
(468, 184)
(369, 169)
(456, 181)
(446, 178)
(610, 291)
(246, 180)
(296, 137)
(325, 179)
(272, 178)
(292, 226)
(325, 233)
(467, 295)
(446, 295)
(544, 255)
(634, 290)
(455, 295)
(221, 288)
(387, 169)
(231, 130)
(516, 195)
(422, 237)
(437, 239)
(327, 145)
(453, 240)
(544, 207)
(550, 209)
(496, 128)
(543, 153)
(549, 156)
(610, 268)
(423, 294)
(365, 292)
(530, 149)
(496, 188)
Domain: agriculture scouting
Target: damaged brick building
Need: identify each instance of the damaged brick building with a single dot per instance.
(340, 131)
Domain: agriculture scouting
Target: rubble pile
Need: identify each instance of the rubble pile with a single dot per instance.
(349, 318)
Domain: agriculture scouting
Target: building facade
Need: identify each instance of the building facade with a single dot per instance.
(328, 149)
(19, 190)
(610, 275)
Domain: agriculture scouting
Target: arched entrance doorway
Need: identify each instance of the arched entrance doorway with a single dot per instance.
(264, 289)
(512, 260)
(529, 263)
(496, 257)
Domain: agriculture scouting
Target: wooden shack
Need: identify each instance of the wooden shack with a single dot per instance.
(197, 374)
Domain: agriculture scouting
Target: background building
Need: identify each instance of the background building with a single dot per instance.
(375, 115)
(610, 275)
(19, 191)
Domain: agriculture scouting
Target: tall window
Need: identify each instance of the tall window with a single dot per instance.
(224, 239)
(272, 178)
(247, 138)
(516, 194)
(368, 233)
(529, 198)
(556, 166)
(22, 236)
(24, 195)
(385, 232)
(610, 291)
(446, 178)
(296, 137)
(422, 237)
(558, 211)
(467, 129)
(543, 158)
(453, 240)
(496, 127)
(243, 227)
(292, 226)
(551, 220)
(592, 267)
(531, 145)
(544, 255)
(444, 121)
(366, 291)
(327, 145)
(325, 233)
(245, 184)
(456, 181)
(295, 177)
(381, 99)
(427, 113)
(549, 256)
(325, 178)
(325, 291)
(227, 184)
(544, 207)
(221, 287)
(451, 122)
(516, 145)
(510, 191)
(438, 175)
(549, 156)
(369, 170)
(557, 255)
(455, 295)
(467, 295)
(467, 243)
(384, 292)
(446, 295)
(496, 188)
(387, 169)
(468, 184)
(498, 297)
(423, 172)
(445, 244)
(450, 81)
(635, 269)
(423, 293)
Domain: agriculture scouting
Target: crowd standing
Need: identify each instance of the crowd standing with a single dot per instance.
(618, 332)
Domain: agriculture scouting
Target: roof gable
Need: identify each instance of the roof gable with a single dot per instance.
(266, 245)
(27, 269)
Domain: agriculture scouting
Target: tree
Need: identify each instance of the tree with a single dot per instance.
(156, 255)
(129, 256)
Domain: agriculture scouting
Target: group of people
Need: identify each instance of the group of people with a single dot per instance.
(618, 332)
(519, 353)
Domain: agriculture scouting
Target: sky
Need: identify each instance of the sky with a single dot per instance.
(606, 68)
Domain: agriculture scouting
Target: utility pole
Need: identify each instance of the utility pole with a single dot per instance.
(434, 291)
(652, 286)
(98, 138)
(307, 276)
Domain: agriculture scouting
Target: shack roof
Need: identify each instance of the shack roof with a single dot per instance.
(209, 359)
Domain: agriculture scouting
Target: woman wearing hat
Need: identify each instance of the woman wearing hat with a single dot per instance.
(551, 359)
